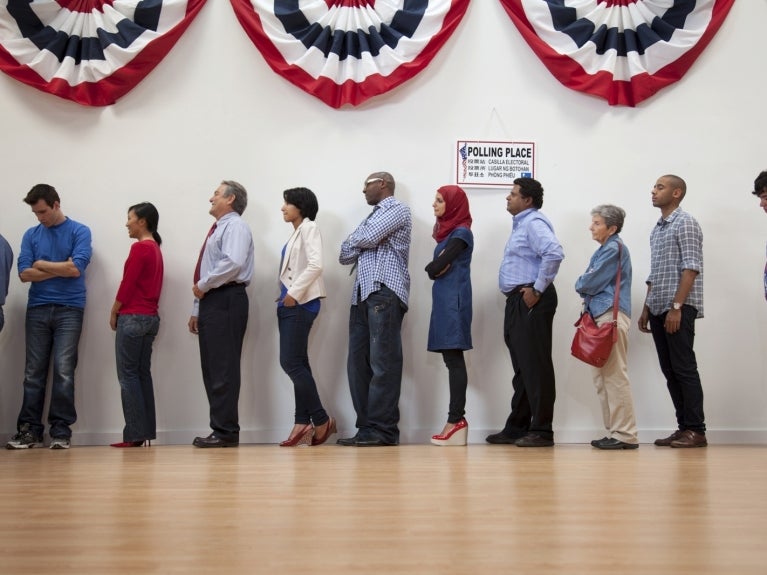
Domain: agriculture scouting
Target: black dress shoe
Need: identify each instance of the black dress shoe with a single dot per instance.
(347, 441)
(213, 441)
(608, 443)
(501, 438)
(534, 440)
(372, 442)
(596, 442)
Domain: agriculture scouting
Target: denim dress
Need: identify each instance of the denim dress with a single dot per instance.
(450, 324)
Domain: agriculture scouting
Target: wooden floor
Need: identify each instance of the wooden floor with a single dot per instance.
(414, 509)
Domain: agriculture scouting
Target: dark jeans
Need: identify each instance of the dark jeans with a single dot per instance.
(374, 364)
(679, 366)
(458, 380)
(52, 332)
(221, 325)
(527, 333)
(133, 357)
(294, 324)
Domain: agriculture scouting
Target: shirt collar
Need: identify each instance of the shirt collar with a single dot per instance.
(521, 216)
(671, 217)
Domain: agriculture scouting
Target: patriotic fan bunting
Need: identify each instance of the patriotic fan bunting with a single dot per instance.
(621, 50)
(347, 51)
(89, 51)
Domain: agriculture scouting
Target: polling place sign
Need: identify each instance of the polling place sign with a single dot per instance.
(480, 163)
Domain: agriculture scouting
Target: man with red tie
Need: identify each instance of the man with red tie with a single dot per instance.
(220, 316)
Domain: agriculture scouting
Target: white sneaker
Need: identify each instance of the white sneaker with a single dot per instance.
(59, 443)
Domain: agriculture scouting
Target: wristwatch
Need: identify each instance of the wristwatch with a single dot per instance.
(536, 293)
(676, 305)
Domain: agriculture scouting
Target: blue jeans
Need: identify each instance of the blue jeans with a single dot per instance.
(295, 323)
(680, 367)
(374, 365)
(51, 331)
(133, 357)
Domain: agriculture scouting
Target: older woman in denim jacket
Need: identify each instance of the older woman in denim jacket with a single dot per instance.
(597, 288)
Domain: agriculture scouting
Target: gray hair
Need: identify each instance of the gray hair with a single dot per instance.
(240, 195)
(612, 215)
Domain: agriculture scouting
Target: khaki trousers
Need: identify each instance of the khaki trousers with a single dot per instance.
(613, 387)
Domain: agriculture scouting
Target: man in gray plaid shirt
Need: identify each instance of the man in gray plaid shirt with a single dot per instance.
(674, 301)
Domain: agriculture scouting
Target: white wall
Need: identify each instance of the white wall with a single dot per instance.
(213, 110)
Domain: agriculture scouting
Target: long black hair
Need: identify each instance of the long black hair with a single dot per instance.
(147, 212)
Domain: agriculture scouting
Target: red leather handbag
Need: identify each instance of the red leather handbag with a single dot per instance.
(593, 343)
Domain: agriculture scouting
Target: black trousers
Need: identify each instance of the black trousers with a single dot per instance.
(221, 323)
(527, 333)
(458, 380)
(680, 367)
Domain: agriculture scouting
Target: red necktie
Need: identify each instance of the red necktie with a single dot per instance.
(202, 250)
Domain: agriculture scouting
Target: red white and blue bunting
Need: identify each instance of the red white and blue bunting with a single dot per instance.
(621, 50)
(347, 51)
(89, 51)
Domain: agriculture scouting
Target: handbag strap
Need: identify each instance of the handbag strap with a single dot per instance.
(617, 292)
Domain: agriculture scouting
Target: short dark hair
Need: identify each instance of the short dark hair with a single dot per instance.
(530, 188)
(42, 192)
(147, 212)
(760, 183)
(240, 195)
(677, 182)
(304, 199)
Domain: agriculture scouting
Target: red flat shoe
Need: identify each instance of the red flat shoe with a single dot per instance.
(329, 430)
(303, 437)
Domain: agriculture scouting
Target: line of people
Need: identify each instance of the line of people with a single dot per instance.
(55, 254)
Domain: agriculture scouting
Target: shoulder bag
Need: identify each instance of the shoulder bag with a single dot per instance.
(593, 343)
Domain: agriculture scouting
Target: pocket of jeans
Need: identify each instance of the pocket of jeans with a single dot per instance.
(284, 312)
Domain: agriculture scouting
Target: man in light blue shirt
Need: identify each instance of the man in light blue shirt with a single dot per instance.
(379, 249)
(220, 312)
(530, 263)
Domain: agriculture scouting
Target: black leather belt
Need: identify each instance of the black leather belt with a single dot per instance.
(517, 289)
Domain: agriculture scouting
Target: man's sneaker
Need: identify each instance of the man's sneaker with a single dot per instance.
(24, 439)
(59, 443)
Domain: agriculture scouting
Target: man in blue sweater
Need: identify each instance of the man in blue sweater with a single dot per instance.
(53, 258)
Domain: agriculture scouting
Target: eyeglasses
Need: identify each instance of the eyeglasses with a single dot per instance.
(371, 180)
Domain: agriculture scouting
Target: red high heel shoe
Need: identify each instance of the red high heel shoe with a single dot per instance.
(131, 443)
(303, 437)
(456, 435)
(329, 430)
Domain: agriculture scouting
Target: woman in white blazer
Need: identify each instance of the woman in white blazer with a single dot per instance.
(301, 288)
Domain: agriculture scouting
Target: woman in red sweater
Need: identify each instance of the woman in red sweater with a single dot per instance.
(134, 317)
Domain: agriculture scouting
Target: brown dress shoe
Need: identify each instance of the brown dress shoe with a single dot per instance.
(690, 438)
(666, 441)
